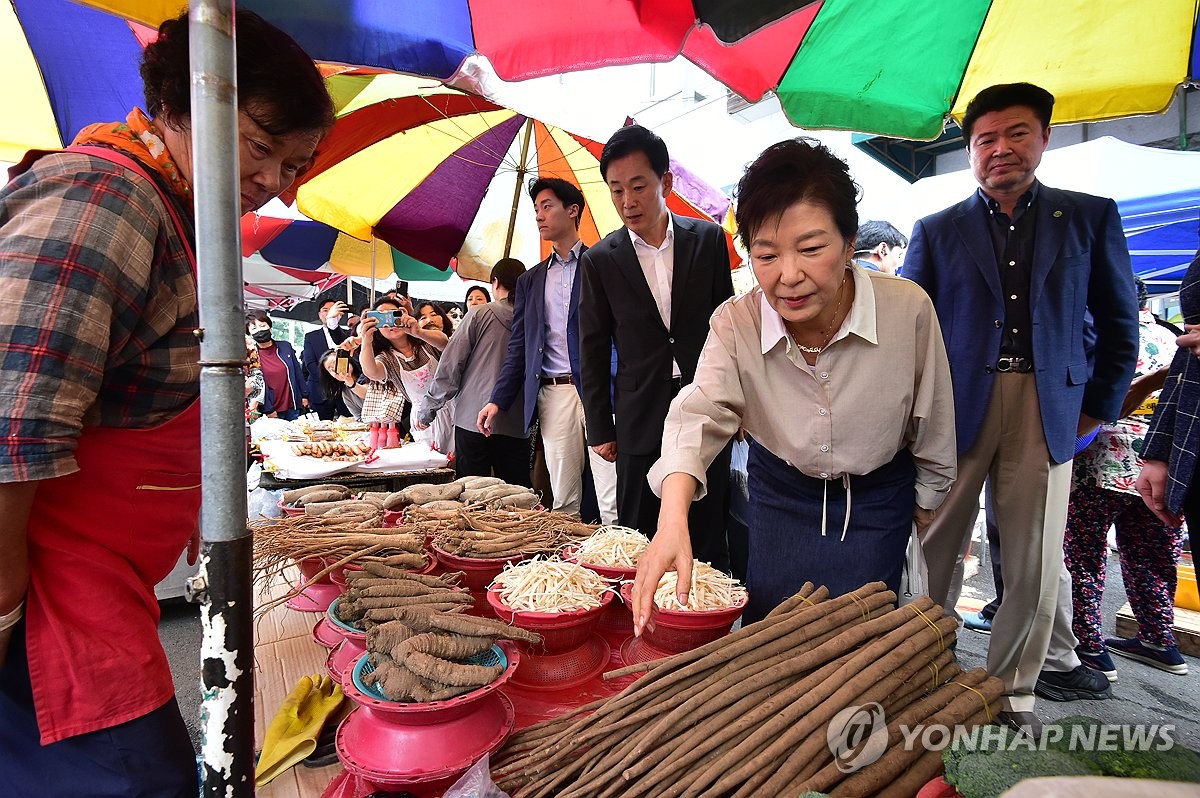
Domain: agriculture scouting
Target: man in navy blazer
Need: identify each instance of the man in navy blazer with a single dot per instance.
(332, 315)
(542, 362)
(649, 289)
(1014, 271)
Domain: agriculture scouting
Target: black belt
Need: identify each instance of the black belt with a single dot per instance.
(676, 385)
(1020, 365)
(565, 380)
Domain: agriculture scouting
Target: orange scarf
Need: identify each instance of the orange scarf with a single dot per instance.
(139, 138)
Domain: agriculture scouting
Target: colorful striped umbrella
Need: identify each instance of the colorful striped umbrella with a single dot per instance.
(310, 246)
(895, 68)
(439, 173)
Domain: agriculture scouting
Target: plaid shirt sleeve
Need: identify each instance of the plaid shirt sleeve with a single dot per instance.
(97, 305)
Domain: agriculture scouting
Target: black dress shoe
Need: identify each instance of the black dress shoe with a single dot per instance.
(1026, 723)
(1081, 684)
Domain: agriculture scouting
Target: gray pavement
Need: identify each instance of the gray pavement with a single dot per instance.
(1141, 695)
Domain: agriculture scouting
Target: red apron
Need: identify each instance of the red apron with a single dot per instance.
(99, 540)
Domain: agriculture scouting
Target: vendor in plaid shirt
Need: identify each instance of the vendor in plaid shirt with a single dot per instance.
(99, 467)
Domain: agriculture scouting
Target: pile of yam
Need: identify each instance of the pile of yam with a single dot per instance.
(749, 714)
(377, 592)
(464, 492)
(417, 642)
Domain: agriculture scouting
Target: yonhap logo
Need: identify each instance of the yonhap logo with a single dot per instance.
(857, 736)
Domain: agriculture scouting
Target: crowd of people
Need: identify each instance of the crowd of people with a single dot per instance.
(1011, 331)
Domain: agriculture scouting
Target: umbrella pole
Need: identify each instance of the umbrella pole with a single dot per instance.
(373, 240)
(521, 170)
(224, 584)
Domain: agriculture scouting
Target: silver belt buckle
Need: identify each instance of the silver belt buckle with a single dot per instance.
(1004, 363)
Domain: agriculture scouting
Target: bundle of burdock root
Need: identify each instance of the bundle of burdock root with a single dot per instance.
(750, 714)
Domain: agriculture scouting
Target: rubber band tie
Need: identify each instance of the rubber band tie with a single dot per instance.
(982, 698)
(931, 624)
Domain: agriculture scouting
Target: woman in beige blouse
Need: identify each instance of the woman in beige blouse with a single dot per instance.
(839, 377)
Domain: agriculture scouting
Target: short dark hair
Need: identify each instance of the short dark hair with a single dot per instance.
(568, 193)
(276, 79)
(1006, 95)
(796, 170)
(631, 139)
(875, 232)
(487, 294)
(325, 302)
(256, 315)
(506, 271)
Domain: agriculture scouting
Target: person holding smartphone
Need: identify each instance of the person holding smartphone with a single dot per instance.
(341, 380)
(399, 357)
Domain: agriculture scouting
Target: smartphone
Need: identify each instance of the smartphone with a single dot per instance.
(386, 318)
(342, 362)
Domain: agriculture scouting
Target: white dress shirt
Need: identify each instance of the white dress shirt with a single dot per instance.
(658, 267)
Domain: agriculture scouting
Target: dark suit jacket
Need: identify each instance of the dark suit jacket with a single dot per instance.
(1080, 264)
(315, 345)
(616, 304)
(523, 362)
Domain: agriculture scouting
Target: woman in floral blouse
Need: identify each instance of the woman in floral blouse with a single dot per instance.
(1103, 495)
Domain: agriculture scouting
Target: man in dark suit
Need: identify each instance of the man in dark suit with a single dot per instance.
(332, 332)
(1014, 272)
(649, 288)
(542, 362)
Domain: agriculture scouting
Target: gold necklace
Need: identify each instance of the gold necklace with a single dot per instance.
(816, 350)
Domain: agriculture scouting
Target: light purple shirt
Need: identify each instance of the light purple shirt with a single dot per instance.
(560, 279)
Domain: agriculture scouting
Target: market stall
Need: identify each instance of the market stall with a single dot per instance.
(466, 624)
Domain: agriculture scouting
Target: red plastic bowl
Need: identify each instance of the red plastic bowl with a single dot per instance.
(477, 573)
(393, 517)
(560, 631)
(289, 510)
(676, 631)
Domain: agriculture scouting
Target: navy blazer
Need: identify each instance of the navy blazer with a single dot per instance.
(1174, 434)
(522, 369)
(1080, 265)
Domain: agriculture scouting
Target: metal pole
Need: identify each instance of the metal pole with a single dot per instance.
(521, 170)
(227, 653)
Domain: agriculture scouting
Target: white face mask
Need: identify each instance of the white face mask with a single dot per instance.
(331, 321)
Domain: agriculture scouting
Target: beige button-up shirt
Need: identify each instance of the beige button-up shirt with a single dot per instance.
(881, 385)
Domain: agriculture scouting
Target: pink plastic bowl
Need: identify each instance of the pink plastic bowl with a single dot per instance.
(677, 631)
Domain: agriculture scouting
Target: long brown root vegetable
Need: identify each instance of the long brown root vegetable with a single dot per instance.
(385, 571)
(293, 496)
(451, 673)
(443, 646)
(476, 626)
(406, 614)
(362, 605)
(386, 636)
(747, 715)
